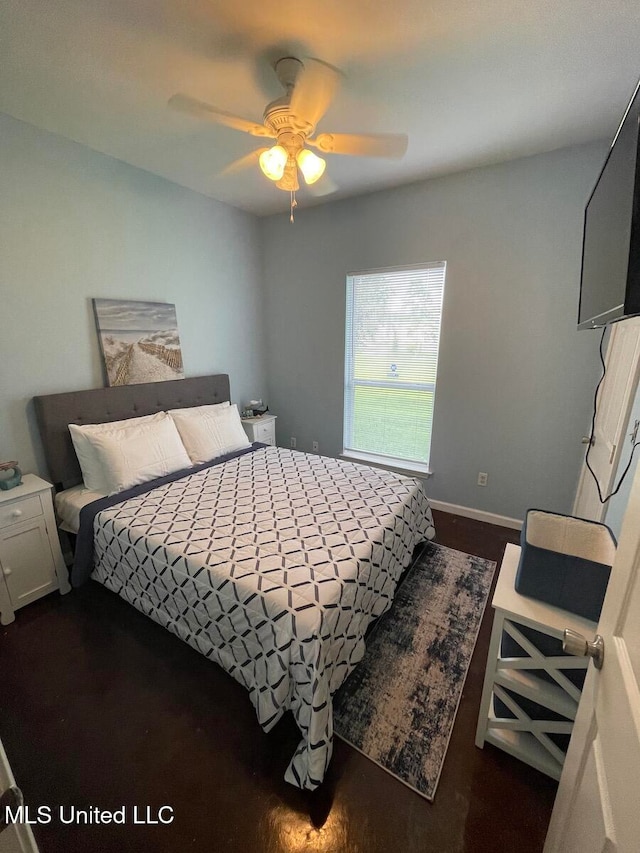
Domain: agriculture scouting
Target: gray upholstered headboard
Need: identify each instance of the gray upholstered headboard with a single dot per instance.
(102, 405)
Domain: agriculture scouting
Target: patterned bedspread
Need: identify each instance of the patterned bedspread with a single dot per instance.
(272, 564)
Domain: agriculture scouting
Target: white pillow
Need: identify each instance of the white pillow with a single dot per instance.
(129, 457)
(81, 435)
(210, 434)
(197, 411)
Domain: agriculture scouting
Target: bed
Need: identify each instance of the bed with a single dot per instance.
(272, 563)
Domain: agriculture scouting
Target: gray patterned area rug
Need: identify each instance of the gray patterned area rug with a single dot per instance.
(399, 705)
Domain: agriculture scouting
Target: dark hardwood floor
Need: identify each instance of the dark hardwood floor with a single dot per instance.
(101, 707)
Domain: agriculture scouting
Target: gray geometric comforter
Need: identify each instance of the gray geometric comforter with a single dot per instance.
(272, 565)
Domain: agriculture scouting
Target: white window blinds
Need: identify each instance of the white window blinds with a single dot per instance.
(391, 361)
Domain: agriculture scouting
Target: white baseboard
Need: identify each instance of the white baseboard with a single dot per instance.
(478, 514)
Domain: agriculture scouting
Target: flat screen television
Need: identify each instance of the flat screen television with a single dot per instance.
(610, 279)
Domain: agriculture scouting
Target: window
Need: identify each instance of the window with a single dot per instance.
(391, 360)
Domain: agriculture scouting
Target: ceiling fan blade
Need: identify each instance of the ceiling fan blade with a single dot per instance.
(324, 186)
(392, 145)
(241, 163)
(314, 90)
(191, 106)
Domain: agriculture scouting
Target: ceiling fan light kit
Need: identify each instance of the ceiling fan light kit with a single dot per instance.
(311, 166)
(272, 162)
(291, 120)
(289, 150)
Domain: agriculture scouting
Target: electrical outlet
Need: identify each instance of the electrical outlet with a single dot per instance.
(293, 442)
(482, 478)
(315, 446)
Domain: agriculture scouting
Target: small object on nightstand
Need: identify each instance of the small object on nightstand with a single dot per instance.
(12, 479)
(254, 409)
(261, 428)
(31, 562)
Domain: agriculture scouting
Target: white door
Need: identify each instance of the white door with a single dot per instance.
(615, 398)
(597, 809)
(15, 838)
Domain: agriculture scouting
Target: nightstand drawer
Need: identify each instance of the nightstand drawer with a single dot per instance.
(21, 510)
(265, 432)
(261, 429)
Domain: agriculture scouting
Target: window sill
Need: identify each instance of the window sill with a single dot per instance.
(400, 466)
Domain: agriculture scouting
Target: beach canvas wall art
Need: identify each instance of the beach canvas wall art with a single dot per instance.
(139, 341)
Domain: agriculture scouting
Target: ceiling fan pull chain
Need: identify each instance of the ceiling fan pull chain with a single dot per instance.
(294, 204)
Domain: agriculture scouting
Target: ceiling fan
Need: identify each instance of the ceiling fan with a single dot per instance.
(292, 120)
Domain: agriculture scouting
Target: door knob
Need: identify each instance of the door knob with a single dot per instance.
(588, 439)
(575, 644)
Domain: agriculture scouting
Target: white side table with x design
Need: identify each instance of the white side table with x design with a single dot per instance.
(531, 691)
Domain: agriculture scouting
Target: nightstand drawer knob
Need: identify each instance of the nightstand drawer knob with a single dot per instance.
(16, 513)
(7, 571)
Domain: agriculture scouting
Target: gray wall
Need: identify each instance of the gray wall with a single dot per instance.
(515, 379)
(75, 224)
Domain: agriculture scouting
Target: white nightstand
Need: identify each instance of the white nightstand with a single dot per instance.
(31, 563)
(261, 429)
(529, 675)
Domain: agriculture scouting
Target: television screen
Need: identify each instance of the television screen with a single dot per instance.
(610, 281)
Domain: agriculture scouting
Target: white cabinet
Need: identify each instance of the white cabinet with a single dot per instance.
(261, 429)
(31, 562)
(531, 688)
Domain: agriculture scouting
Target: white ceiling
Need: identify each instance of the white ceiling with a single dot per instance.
(470, 81)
